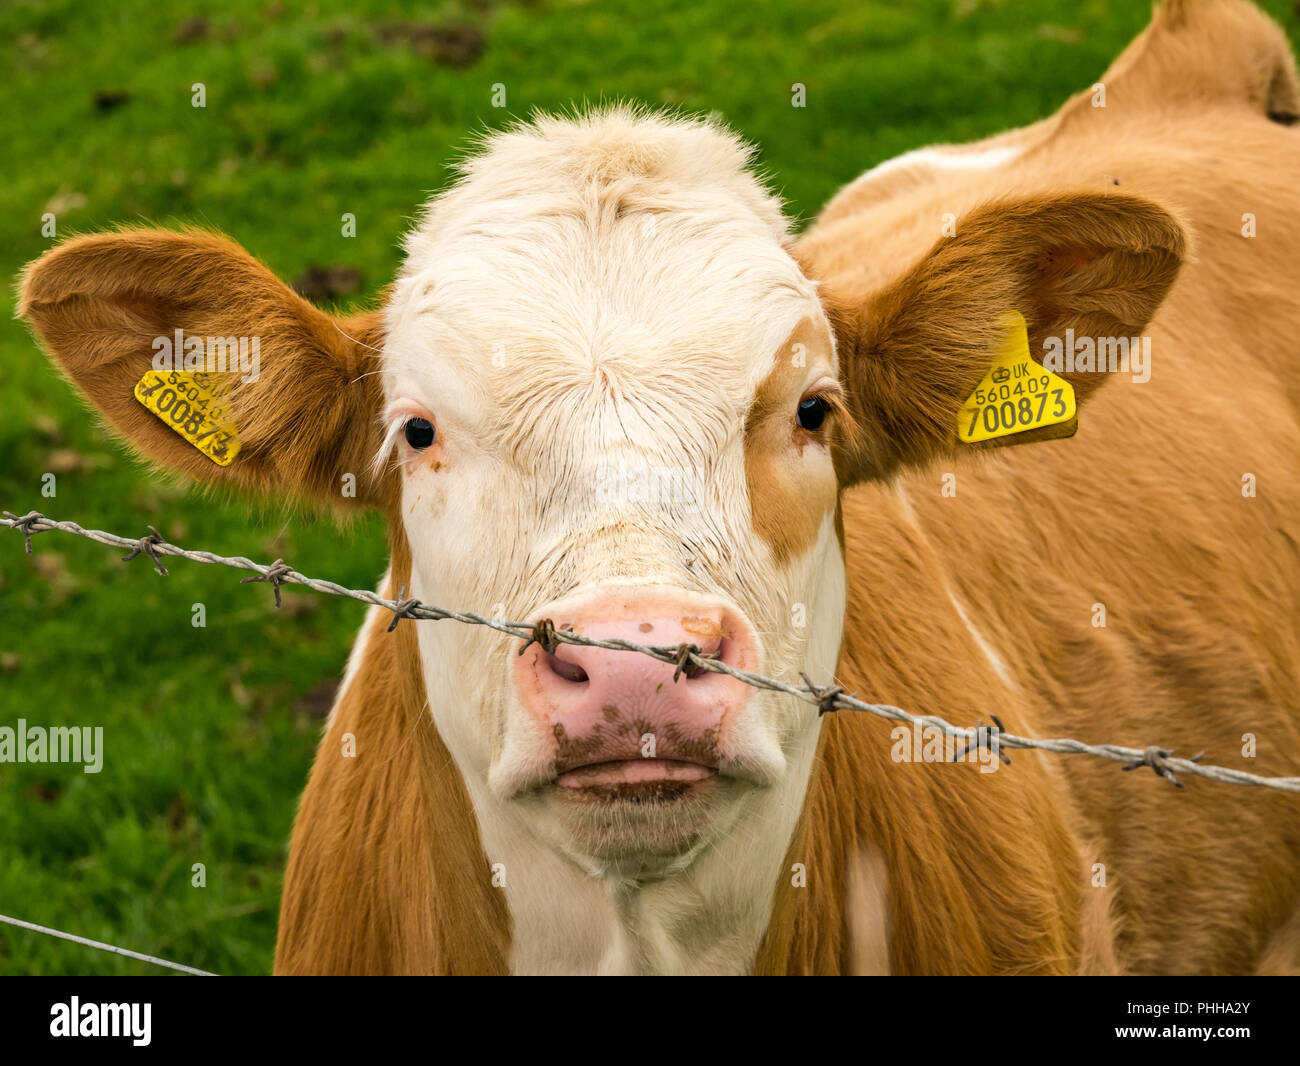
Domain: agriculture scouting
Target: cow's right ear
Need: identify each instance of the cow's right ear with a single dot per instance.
(305, 415)
(913, 353)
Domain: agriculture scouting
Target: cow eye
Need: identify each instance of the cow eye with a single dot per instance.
(419, 433)
(813, 412)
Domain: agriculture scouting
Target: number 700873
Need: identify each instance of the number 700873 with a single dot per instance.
(1012, 414)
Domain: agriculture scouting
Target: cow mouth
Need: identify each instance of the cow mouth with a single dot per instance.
(638, 817)
(635, 776)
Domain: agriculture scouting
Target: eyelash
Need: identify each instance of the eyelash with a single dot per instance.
(395, 448)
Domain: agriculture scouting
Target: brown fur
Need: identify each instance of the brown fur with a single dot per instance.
(787, 511)
(1142, 511)
(1037, 255)
(98, 301)
(386, 873)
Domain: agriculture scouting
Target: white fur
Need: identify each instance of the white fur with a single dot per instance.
(990, 653)
(941, 159)
(358, 654)
(994, 659)
(607, 290)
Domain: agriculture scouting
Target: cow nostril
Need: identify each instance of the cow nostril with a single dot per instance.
(569, 671)
(713, 648)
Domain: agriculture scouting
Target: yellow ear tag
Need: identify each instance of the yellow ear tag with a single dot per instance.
(1017, 395)
(193, 403)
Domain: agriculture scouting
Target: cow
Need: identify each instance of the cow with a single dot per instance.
(609, 388)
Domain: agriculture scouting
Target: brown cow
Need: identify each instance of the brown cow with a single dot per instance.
(607, 389)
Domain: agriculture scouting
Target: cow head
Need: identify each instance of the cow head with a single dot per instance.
(602, 391)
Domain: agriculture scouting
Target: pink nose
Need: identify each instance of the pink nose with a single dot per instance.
(606, 707)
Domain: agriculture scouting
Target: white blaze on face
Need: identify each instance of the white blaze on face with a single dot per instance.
(588, 319)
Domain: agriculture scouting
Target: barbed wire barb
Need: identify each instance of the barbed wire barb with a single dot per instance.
(149, 546)
(826, 698)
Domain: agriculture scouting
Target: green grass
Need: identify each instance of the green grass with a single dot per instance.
(209, 733)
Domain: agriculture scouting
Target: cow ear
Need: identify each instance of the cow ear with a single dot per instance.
(297, 415)
(913, 354)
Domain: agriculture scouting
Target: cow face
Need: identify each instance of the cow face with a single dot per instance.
(602, 393)
(612, 398)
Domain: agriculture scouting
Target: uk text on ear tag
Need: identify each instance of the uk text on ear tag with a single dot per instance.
(193, 403)
(1017, 395)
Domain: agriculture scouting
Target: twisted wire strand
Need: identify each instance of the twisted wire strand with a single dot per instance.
(827, 698)
(86, 941)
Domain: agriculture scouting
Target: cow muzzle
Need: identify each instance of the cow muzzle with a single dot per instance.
(626, 726)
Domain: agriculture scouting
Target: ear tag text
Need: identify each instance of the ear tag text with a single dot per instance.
(1016, 395)
(193, 403)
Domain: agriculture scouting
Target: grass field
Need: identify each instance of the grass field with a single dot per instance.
(209, 732)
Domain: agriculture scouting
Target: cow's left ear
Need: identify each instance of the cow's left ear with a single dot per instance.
(913, 354)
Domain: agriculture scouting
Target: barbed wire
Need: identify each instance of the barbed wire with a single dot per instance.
(127, 952)
(686, 658)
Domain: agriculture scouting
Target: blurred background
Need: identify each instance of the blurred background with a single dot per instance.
(313, 111)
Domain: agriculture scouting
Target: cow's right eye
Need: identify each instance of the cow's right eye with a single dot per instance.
(419, 433)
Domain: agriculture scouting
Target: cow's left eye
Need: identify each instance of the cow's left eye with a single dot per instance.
(419, 433)
(813, 412)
